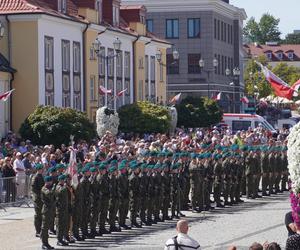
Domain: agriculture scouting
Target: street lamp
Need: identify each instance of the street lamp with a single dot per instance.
(234, 75)
(215, 63)
(2, 30)
(117, 47)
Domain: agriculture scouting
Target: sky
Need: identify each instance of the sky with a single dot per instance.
(286, 10)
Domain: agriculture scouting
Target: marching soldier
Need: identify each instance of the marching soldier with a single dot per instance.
(123, 187)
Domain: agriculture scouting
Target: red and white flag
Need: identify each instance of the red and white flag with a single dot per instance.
(296, 87)
(217, 97)
(121, 93)
(103, 91)
(175, 99)
(281, 88)
(245, 100)
(4, 97)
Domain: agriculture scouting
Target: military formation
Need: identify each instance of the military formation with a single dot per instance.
(150, 188)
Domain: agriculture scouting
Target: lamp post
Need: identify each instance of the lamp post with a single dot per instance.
(2, 30)
(234, 75)
(215, 63)
(97, 46)
(175, 55)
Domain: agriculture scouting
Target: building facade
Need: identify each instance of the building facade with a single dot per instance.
(64, 50)
(200, 29)
(275, 53)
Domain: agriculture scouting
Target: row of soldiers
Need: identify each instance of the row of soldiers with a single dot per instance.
(156, 187)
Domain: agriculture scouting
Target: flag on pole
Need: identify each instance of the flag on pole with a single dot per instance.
(217, 97)
(296, 87)
(4, 97)
(281, 88)
(245, 100)
(175, 99)
(121, 93)
(103, 91)
(72, 168)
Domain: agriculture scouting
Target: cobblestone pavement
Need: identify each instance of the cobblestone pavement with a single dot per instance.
(255, 220)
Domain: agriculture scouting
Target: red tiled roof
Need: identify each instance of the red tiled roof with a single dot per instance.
(37, 6)
(132, 7)
(257, 50)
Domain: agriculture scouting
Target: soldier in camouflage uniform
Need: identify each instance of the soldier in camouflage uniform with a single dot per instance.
(86, 201)
(104, 197)
(257, 173)
(226, 167)
(174, 190)
(285, 171)
(278, 171)
(249, 171)
(52, 171)
(166, 182)
(272, 162)
(123, 187)
(157, 192)
(77, 209)
(218, 173)
(195, 183)
(47, 197)
(36, 187)
(144, 189)
(62, 206)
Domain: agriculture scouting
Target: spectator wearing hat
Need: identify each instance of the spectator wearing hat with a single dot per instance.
(20, 175)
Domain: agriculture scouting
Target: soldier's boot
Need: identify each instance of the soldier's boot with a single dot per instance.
(46, 246)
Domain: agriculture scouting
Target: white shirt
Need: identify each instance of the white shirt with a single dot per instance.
(185, 242)
(18, 164)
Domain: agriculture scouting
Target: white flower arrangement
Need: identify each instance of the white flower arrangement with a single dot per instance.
(293, 155)
(107, 121)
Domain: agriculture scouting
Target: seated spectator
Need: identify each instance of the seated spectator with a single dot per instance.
(289, 223)
(182, 241)
(256, 246)
(293, 242)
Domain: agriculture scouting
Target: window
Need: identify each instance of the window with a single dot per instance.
(66, 97)
(228, 33)
(269, 55)
(291, 55)
(172, 28)
(215, 28)
(65, 46)
(62, 6)
(218, 28)
(161, 72)
(219, 65)
(92, 54)
(77, 75)
(172, 65)
(110, 62)
(119, 65)
(194, 27)
(225, 32)
(193, 63)
(149, 25)
(152, 93)
(142, 19)
(101, 69)
(231, 34)
(147, 77)
(222, 65)
(76, 57)
(49, 73)
(222, 31)
(98, 7)
(116, 15)
(279, 55)
(127, 76)
(240, 125)
(92, 88)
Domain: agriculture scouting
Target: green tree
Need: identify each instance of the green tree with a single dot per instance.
(144, 117)
(290, 74)
(54, 125)
(196, 112)
(293, 38)
(266, 30)
(254, 80)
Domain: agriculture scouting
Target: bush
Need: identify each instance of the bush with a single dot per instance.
(195, 112)
(144, 117)
(53, 125)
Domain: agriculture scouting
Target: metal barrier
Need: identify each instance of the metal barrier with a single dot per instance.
(15, 191)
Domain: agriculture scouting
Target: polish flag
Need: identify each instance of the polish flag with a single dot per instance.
(245, 100)
(281, 88)
(175, 99)
(4, 97)
(121, 93)
(217, 97)
(103, 91)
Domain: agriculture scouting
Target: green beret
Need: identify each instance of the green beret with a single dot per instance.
(112, 169)
(150, 166)
(153, 153)
(157, 166)
(193, 156)
(85, 169)
(59, 166)
(234, 147)
(88, 165)
(114, 162)
(51, 170)
(121, 166)
(48, 178)
(169, 154)
(143, 166)
(93, 169)
(124, 161)
(161, 155)
(38, 166)
(62, 177)
(102, 166)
